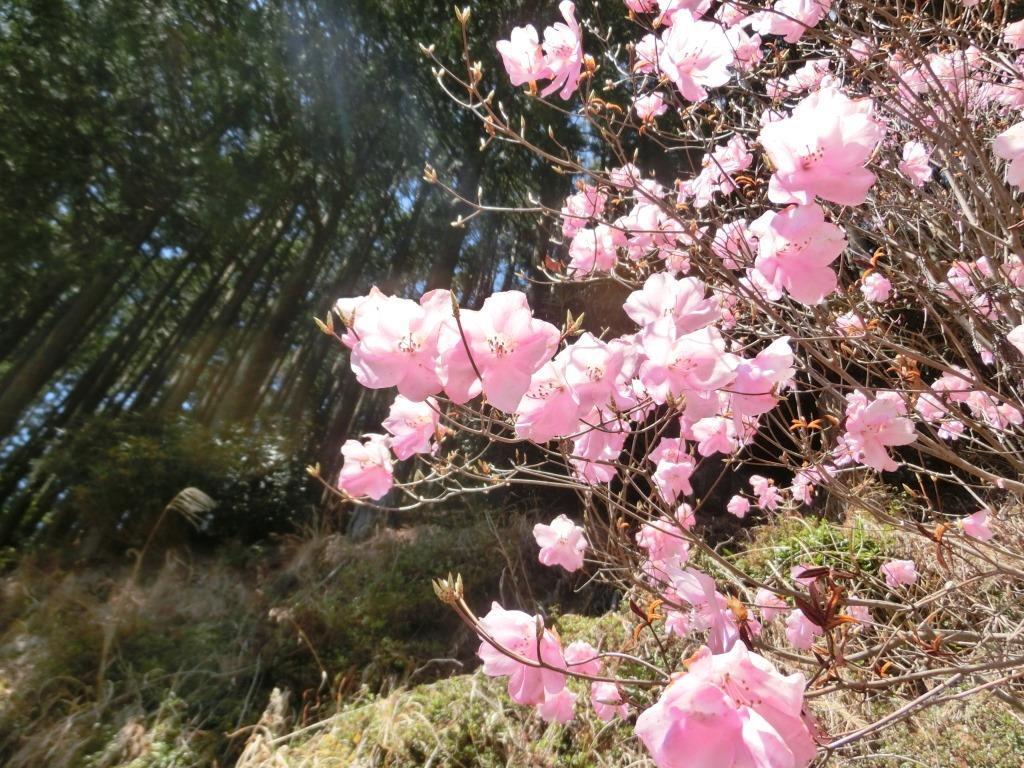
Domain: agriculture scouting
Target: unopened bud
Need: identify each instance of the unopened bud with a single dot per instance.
(429, 174)
(449, 590)
(573, 326)
(346, 317)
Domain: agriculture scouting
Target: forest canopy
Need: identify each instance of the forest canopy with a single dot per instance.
(187, 185)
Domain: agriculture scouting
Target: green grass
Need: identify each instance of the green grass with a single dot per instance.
(858, 545)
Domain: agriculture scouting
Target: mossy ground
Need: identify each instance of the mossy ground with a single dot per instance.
(468, 721)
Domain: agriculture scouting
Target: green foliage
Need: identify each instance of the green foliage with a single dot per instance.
(370, 606)
(90, 661)
(121, 473)
(187, 183)
(857, 545)
(466, 721)
(94, 655)
(980, 732)
(607, 631)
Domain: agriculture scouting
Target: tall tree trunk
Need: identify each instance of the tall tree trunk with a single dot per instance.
(213, 336)
(443, 268)
(24, 382)
(245, 396)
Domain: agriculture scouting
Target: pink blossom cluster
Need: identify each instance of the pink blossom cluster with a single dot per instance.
(558, 59)
(517, 646)
(745, 284)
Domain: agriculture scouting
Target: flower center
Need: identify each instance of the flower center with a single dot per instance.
(409, 344)
(810, 158)
(500, 346)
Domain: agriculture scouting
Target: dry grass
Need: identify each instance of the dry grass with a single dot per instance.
(173, 671)
(469, 722)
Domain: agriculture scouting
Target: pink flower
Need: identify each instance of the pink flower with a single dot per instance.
(876, 287)
(801, 631)
(685, 517)
(670, 9)
(647, 51)
(677, 623)
(695, 55)
(767, 493)
(595, 450)
(851, 324)
(715, 434)
(795, 573)
(649, 107)
(808, 77)
(758, 380)
(507, 344)
(731, 14)
(394, 341)
(873, 426)
(591, 368)
(1013, 35)
(663, 543)
(769, 604)
(915, 165)
(582, 658)
(517, 632)
(795, 249)
(641, 6)
(746, 48)
(549, 409)
(821, 150)
(734, 244)
(627, 176)
(859, 613)
(579, 208)
(1016, 337)
(641, 225)
(738, 506)
(563, 52)
(413, 426)
(595, 250)
(680, 363)
(790, 18)
(673, 468)
(899, 572)
(802, 488)
(862, 48)
(1009, 145)
(730, 710)
(367, 467)
(717, 169)
(557, 707)
(561, 543)
(607, 701)
(709, 609)
(522, 56)
(976, 525)
(665, 296)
